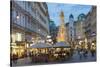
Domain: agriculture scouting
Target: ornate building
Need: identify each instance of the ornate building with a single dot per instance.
(71, 29)
(90, 25)
(79, 28)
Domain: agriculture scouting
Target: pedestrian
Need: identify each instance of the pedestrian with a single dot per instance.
(80, 53)
(93, 51)
(78, 50)
(15, 57)
(85, 53)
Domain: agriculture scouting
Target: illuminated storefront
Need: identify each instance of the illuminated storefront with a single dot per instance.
(17, 44)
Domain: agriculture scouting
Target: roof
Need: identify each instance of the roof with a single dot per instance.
(71, 16)
(43, 45)
(61, 44)
(40, 45)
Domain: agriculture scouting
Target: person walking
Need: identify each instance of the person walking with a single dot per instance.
(81, 53)
(15, 57)
(85, 52)
(93, 50)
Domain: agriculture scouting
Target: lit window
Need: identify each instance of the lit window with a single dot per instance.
(18, 37)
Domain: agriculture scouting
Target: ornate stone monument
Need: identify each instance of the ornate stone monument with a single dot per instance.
(62, 34)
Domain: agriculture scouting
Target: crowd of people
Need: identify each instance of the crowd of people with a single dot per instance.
(50, 57)
(83, 52)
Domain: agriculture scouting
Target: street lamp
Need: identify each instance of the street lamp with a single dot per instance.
(39, 30)
(49, 40)
(48, 36)
(17, 17)
(79, 37)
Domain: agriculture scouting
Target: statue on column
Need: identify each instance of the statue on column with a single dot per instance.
(62, 34)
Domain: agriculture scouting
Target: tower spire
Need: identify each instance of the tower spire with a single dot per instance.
(62, 17)
(62, 29)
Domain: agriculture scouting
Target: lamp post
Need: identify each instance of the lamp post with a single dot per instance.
(17, 17)
(39, 30)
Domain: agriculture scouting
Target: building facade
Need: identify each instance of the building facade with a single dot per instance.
(29, 23)
(53, 30)
(71, 29)
(90, 25)
(79, 28)
(67, 31)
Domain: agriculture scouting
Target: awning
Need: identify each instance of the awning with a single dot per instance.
(40, 45)
(62, 44)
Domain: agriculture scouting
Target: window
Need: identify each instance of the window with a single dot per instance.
(18, 37)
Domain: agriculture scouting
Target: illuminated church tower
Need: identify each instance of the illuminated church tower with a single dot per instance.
(62, 34)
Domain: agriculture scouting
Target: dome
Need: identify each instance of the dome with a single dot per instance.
(71, 16)
(81, 17)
